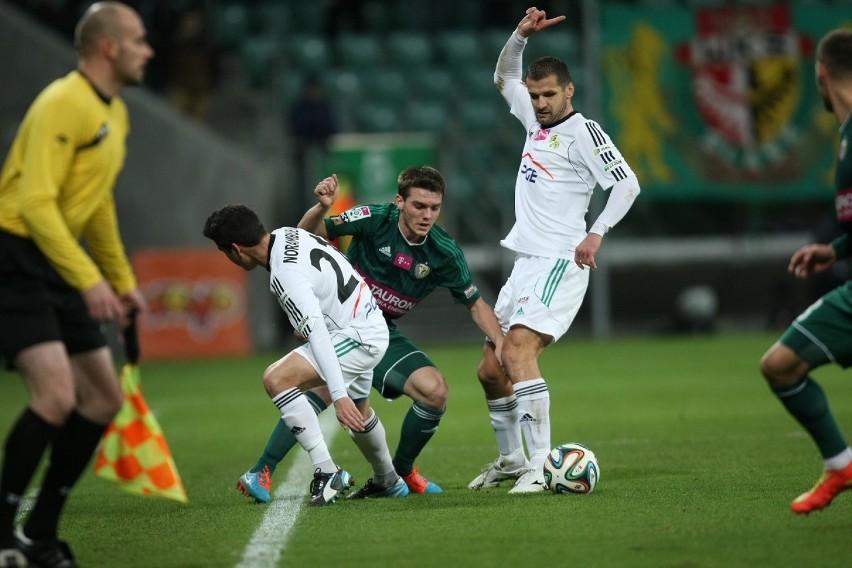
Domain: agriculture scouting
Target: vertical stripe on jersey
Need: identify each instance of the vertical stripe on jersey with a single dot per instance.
(552, 282)
(607, 157)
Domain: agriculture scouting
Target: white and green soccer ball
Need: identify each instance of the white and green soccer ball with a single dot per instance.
(571, 468)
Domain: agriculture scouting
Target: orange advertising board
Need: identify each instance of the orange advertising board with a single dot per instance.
(197, 304)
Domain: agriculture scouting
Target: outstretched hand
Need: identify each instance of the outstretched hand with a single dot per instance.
(536, 20)
(326, 191)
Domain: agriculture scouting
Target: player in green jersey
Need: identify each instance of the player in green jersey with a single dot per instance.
(403, 255)
(822, 333)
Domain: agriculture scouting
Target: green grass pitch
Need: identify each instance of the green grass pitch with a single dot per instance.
(698, 465)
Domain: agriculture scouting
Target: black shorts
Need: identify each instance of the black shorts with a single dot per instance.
(37, 305)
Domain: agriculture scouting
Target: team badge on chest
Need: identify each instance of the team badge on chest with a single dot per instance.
(421, 271)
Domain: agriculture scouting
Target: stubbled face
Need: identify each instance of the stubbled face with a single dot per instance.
(550, 101)
(132, 51)
(418, 213)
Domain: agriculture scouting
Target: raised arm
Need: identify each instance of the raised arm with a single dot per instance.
(326, 192)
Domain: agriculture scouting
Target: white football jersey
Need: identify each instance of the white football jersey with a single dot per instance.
(560, 167)
(320, 292)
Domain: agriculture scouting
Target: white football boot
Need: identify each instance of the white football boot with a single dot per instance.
(499, 470)
(532, 481)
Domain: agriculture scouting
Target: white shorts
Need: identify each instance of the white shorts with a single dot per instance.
(356, 364)
(543, 294)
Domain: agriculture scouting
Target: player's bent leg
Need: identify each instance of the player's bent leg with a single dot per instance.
(428, 389)
(256, 483)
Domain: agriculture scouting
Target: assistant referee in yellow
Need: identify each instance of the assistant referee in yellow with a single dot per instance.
(56, 190)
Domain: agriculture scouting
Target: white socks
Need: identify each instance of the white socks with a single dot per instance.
(302, 421)
(534, 417)
(374, 447)
(507, 430)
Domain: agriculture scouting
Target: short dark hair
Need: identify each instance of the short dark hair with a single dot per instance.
(835, 52)
(234, 224)
(424, 177)
(548, 65)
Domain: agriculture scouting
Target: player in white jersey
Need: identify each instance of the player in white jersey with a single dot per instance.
(565, 157)
(330, 306)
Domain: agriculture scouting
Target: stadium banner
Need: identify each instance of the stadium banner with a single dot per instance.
(720, 103)
(197, 304)
(367, 165)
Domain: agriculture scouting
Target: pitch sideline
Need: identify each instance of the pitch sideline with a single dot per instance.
(271, 536)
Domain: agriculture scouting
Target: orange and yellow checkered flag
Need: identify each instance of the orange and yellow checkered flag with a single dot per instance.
(133, 450)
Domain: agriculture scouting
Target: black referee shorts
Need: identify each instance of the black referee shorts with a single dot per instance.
(37, 305)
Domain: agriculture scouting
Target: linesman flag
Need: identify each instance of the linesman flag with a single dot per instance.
(133, 451)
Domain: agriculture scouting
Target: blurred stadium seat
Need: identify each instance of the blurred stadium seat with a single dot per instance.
(478, 116)
(431, 83)
(308, 52)
(387, 84)
(359, 50)
(375, 116)
(427, 116)
(410, 50)
(260, 53)
(459, 47)
(230, 24)
(565, 45)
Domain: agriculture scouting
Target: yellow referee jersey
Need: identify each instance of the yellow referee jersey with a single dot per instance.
(57, 183)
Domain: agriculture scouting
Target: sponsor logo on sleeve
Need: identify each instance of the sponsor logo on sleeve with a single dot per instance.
(354, 214)
(843, 205)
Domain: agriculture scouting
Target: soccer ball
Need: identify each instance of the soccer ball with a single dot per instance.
(571, 468)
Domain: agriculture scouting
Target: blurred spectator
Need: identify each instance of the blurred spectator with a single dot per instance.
(193, 65)
(313, 121)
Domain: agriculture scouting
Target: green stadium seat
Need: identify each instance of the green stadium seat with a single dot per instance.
(376, 117)
(410, 50)
(358, 51)
(427, 116)
(459, 47)
(431, 83)
(272, 18)
(387, 84)
(230, 25)
(492, 42)
(260, 54)
(309, 52)
(478, 116)
(477, 82)
(565, 45)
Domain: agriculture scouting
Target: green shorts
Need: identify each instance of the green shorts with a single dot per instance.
(823, 332)
(401, 359)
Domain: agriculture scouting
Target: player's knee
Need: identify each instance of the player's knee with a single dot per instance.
(431, 390)
(781, 368)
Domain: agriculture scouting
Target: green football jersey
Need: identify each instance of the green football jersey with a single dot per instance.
(401, 274)
(843, 190)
